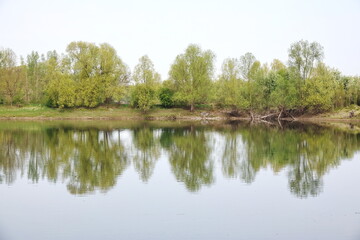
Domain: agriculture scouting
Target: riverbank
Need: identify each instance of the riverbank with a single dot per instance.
(127, 113)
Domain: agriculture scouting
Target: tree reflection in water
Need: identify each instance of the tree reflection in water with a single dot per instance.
(91, 158)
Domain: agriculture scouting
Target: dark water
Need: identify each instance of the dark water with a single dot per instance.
(162, 180)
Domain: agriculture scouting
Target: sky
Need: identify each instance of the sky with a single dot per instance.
(162, 29)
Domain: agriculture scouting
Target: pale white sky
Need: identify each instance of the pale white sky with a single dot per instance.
(163, 29)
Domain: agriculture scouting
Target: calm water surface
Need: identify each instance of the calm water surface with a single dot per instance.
(161, 180)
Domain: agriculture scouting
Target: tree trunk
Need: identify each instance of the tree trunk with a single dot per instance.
(269, 115)
(280, 114)
(191, 107)
(291, 115)
(252, 116)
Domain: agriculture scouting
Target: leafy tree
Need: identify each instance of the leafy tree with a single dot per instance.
(32, 88)
(143, 97)
(166, 97)
(114, 73)
(277, 66)
(147, 80)
(61, 92)
(191, 74)
(303, 56)
(285, 95)
(319, 91)
(230, 87)
(260, 85)
(144, 72)
(246, 63)
(98, 71)
(11, 77)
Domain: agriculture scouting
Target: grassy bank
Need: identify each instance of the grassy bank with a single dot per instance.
(127, 113)
(338, 114)
(41, 112)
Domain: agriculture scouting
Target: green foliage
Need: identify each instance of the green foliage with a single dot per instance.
(246, 63)
(285, 94)
(166, 97)
(319, 90)
(145, 72)
(61, 93)
(303, 56)
(143, 97)
(144, 93)
(89, 75)
(11, 77)
(98, 72)
(191, 75)
(230, 89)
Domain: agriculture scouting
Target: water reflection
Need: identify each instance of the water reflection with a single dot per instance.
(147, 151)
(91, 156)
(189, 157)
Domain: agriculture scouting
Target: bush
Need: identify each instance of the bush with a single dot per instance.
(61, 93)
(166, 97)
(143, 97)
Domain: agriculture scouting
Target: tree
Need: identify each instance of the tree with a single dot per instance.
(7, 58)
(61, 92)
(191, 74)
(166, 97)
(246, 62)
(114, 73)
(285, 95)
(11, 76)
(143, 97)
(230, 87)
(98, 71)
(303, 56)
(262, 84)
(32, 88)
(147, 80)
(144, 72)
(277, 66)
(320, 90)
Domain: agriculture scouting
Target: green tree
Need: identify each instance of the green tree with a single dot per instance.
(61, 92)
(32, 86)
(143, 97)
(285, 95)
(246, 63)
(99, 73)
(11, 77)
(230, 87)
(320, 89)
(304, 55)
(147, 81)
(166, 97)
(144, 72)
(191, 74)
(114, 73)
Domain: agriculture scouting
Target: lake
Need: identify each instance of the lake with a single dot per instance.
(178, 180)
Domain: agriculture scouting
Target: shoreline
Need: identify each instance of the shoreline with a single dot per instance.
(185, 118)
(29, 113)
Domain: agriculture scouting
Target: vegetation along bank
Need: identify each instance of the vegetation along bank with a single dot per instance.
(87, 77)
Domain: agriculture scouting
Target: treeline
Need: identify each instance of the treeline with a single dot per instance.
(89, 75)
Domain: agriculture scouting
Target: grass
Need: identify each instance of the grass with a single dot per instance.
(103, 112)
(128, 113)
(343, 113)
